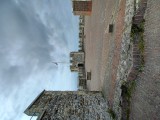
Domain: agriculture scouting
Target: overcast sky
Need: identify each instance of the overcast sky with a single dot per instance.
(33, 33)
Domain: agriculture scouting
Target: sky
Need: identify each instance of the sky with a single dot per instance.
(33, 33)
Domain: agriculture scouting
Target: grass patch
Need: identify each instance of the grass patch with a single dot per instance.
(137, 32)
(127, 90)
(111, 113)
(141, 68)
(141, 45)
(128, 113)
(141, 40)
(131, 87)
(135, 29)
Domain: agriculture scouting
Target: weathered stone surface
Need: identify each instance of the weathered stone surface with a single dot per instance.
(69, 105)
(76, 60)
(109, 55)
(145, 104)
(125, 62)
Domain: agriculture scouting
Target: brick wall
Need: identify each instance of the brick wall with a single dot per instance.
(82, 5)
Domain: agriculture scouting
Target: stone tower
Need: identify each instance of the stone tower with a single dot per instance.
(69, 105)
(77, 61)
(81, 7)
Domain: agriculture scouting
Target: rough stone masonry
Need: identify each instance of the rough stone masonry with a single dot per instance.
(69, 105)
(145, 103)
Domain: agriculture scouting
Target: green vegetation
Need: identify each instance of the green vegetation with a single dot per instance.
(141, 40)
(141, 67)
(111, 113)
(128, 113)
(127, 90)
(134, 30)
(137, 29)
(141, 43)
(137, 33)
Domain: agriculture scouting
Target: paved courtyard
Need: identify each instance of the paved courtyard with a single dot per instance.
(102, 55)
(102, 49)
(96, 30)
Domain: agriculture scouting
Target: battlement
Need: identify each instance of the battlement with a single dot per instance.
(81, 7)
(77, 60)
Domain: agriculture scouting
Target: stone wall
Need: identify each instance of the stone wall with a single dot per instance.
(81, 32)
(82, 79)
(125, 62)
(145, 103)
(70, 105)
(82, 7)
(76, 59)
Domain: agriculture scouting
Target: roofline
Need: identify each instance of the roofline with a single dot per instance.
(40, 117)
(33, 102)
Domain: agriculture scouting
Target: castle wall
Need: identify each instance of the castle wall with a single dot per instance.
(71, 105)
(76, 59)
(145, 103)
(109, 55)
(126, 58)
(82, 7)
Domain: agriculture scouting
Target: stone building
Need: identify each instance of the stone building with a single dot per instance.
(77, 65)
(81, 32)
(68, 105)
(77, 61)
(81, 20)
(82, 79)
(81, 7)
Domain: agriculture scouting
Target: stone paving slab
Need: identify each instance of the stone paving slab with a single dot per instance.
(98, 42)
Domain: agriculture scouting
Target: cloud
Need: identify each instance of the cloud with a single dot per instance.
(32, 34)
